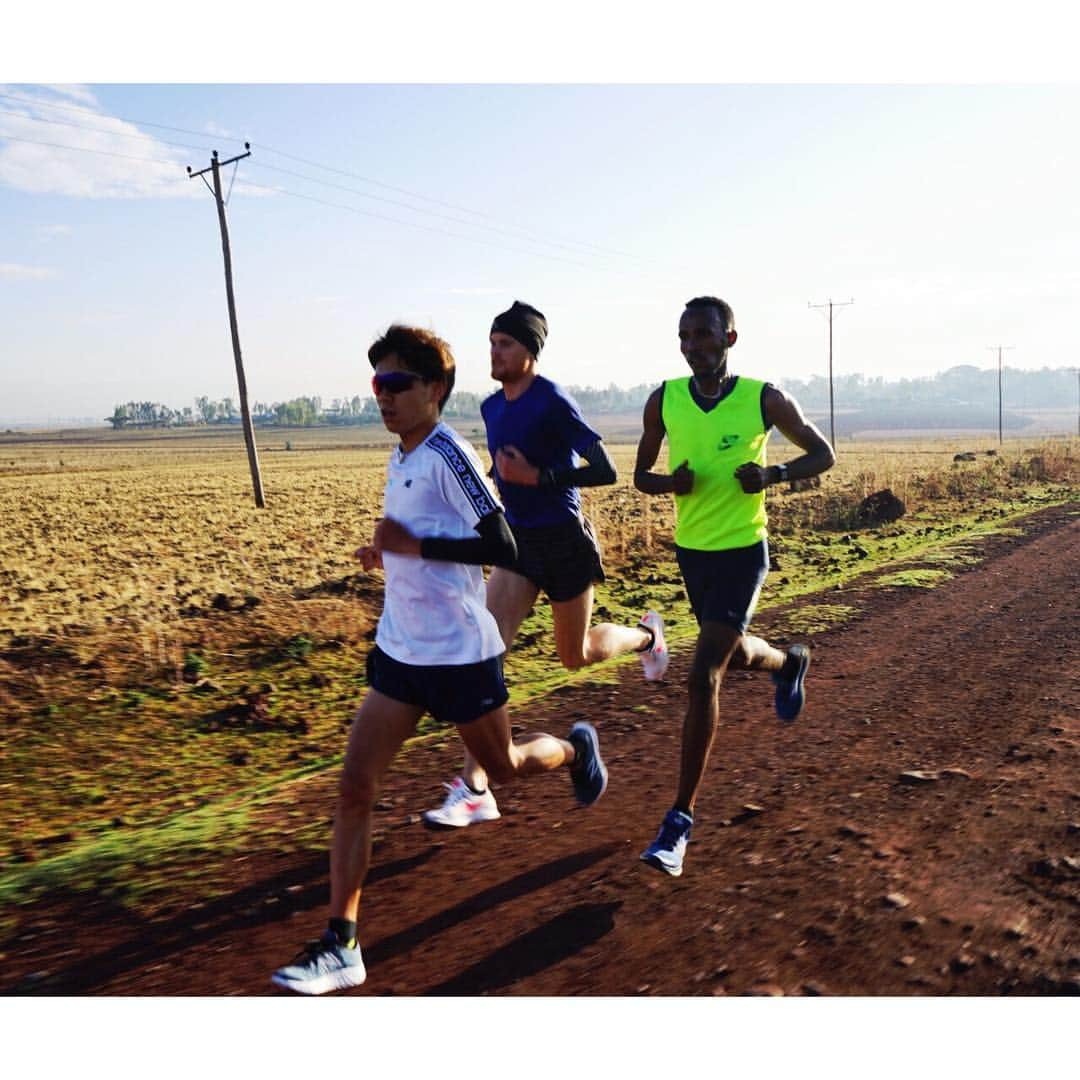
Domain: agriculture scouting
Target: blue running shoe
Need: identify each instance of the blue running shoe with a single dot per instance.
(322, 966)
(790, 695)
(589, 773)
(667, 850)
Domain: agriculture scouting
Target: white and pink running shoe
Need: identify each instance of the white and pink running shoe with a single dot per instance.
(656, 658)
(462, 807)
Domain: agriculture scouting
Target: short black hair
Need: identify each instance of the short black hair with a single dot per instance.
(420, 351)
(721, 306)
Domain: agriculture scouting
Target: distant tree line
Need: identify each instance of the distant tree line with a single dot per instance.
(963, 393)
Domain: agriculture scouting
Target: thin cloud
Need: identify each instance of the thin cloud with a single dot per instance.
(18, 272)
(475, 291)
(100, 158)
(51, 232)
(82, 94)
(213, 128)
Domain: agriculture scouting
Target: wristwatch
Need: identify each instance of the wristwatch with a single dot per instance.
(781, 474)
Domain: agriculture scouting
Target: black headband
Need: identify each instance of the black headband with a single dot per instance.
(524, 324)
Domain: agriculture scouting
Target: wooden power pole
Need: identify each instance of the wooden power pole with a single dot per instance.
(832, 414)
(245, 413)
(1001, 389)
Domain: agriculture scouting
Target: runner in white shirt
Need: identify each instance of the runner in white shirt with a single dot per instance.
(437, 647)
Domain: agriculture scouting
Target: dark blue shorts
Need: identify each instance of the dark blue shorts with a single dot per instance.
(723, 586)
(562, 560)
(452, 693)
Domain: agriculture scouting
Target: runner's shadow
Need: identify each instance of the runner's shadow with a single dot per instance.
(297, 889)
(409, 938)
(547, 945)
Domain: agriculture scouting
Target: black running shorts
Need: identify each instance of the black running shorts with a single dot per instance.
(563, 560)
(723, 586)
(452, 693)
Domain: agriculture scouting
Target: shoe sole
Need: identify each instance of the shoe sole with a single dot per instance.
(667, 655)
(656, 864)
(324, 984)
(659, 676)
(594, 742)
(431, 823)
(798, 690)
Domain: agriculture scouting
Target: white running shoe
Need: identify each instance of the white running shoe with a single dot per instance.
(656, 658)
(462, 808)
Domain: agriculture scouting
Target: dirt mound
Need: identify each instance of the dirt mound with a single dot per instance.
(880, 508)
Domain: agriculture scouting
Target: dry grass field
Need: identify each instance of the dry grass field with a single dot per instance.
(165, 645)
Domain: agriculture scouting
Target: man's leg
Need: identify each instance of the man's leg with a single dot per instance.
(788, 671)
(756, 654)
(510, 598)
(505, 759)
(579, 645)
(378, 731)
(334, 962)
(715, 646)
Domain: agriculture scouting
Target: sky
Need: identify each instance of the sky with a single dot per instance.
(946, 211)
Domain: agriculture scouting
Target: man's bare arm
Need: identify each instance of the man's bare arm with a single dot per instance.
(783, 413)
(678, 482)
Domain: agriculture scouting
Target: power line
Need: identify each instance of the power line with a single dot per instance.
(428, 198)
(309, 198)
(426, 228)
(328, 168)
(89, 150)
(415, 209)
(96, 115)
(100, 130)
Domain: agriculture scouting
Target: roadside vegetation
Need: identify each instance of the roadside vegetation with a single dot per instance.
(171, 657)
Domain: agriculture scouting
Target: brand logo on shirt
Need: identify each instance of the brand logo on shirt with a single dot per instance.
(728, 442)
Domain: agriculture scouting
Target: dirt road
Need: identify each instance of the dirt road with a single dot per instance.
(916, 831)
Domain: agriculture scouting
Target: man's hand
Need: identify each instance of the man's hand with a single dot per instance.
(753, 478)
(392, 536)
(514, 468)
(682, 479)
(370, 559)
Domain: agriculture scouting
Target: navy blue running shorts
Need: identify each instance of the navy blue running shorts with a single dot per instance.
(452, 693)
(562, 560)
(723, 586)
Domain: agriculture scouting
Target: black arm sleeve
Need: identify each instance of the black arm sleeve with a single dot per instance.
(494, 546)
(597, 473)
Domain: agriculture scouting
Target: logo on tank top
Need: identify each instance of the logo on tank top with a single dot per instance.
(728, 442)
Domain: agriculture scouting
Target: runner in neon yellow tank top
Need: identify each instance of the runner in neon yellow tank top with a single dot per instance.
(717, 425)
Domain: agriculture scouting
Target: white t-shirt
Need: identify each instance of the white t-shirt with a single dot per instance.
(434, 611)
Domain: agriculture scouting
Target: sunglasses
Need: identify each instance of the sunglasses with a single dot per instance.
(393, 382)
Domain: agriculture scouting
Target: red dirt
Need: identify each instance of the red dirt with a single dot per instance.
(815, 866)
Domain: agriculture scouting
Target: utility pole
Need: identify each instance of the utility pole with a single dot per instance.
(1001, 382)
(245, 414)
(832, 413)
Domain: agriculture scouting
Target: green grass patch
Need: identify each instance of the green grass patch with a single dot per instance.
(917, 578)
(816, 618)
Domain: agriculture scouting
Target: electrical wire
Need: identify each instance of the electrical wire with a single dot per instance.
(278, 190)
(523, 234)
(100, 130)
(425, 228)
(407, 206)
(90, 150)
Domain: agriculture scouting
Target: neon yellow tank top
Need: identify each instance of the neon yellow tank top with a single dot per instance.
(717, 514)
